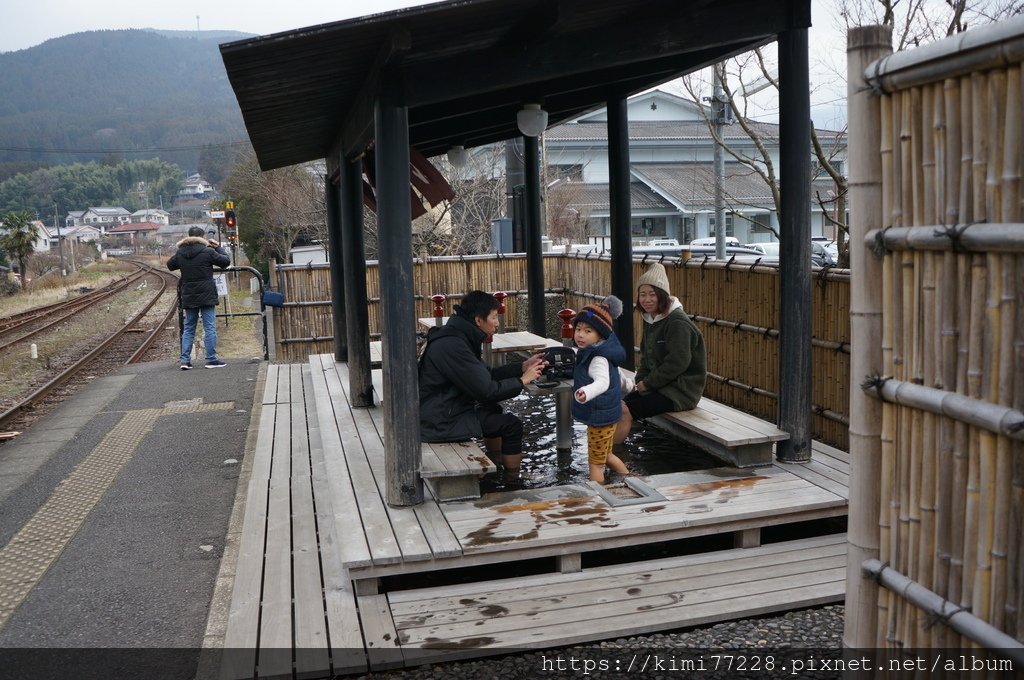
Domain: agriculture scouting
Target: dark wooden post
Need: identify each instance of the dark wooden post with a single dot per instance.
(621, 218)
(354, 256)
(332, 197)
(534, 252)
(795, 249)
(398, 342)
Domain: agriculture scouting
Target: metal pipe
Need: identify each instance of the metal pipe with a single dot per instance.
(952, 615)
(718, 112)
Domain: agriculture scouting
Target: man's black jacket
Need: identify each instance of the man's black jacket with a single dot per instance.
(453, 379)
(196, 259)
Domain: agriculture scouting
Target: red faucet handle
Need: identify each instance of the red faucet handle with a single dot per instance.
(566, 315)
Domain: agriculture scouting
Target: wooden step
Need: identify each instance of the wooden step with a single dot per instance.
(549, 610)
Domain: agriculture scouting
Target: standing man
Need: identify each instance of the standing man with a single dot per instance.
(459, 393)
(197, 292)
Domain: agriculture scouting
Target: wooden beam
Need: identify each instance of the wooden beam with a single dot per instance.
(605, 49)
(357, 130)
(394, 229)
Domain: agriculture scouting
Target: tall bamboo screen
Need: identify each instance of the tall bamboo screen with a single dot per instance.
(952, 348)
(736, 307)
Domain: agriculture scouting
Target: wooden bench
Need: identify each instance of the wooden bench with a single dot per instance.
(726, 433)
(451, 469)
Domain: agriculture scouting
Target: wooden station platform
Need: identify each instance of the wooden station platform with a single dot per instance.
(319, 542)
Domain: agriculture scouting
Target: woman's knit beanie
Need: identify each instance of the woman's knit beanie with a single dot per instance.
(655, 276)
(601, 315)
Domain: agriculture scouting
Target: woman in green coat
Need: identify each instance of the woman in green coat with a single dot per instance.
(673, 362)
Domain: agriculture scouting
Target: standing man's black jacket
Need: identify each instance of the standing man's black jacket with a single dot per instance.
(196, 259)
(453, 379)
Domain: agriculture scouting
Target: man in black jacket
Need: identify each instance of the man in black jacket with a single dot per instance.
(459, 392)
(197, 292)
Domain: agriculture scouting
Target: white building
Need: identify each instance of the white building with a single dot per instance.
(154, 215)
(101, 217)
(195, 187)
(671, 155)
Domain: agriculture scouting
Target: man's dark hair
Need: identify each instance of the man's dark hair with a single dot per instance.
(196, 231)
(478, 303)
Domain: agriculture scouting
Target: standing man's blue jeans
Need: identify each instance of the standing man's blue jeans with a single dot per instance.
(188, 334)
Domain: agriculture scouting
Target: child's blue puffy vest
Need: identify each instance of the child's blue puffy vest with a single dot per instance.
(605, 408)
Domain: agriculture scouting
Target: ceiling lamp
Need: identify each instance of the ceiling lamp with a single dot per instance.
(532, 120)
(458, 156)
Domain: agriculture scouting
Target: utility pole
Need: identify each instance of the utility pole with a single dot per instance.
(60, 242)
(718, 111)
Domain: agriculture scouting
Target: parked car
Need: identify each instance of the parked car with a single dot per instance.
(830, 246)
(819, 256)
(710, 241)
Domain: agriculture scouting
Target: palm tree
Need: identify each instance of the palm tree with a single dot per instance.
(18, 239)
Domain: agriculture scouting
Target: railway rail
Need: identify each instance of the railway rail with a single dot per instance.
(106, 351)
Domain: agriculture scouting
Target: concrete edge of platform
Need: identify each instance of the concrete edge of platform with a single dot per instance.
(220, 601)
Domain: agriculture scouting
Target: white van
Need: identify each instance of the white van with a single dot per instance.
(710, 241)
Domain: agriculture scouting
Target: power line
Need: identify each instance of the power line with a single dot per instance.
(195, 147)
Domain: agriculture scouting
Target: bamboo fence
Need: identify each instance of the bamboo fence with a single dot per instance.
(951, 373)
(735, 305)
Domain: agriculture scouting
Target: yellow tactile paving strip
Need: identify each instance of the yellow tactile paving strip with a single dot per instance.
(39, 542)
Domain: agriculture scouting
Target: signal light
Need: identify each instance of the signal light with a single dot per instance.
(229, 219)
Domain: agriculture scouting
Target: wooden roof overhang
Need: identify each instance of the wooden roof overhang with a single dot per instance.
(465, 67)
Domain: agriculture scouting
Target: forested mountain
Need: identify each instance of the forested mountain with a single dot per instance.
(95, 96)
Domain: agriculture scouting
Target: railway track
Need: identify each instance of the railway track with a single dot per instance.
(81, 340)
(29, 324)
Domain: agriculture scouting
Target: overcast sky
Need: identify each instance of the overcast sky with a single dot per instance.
(26, 23)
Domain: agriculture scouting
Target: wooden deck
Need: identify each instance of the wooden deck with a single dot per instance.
(318, 537)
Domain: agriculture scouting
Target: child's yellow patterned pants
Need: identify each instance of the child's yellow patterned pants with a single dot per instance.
(599, 443)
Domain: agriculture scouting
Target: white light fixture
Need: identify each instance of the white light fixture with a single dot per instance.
(532, 120)
(458, 156)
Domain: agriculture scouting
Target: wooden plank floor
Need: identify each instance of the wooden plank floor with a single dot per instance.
(318, 534)
(550, 610)
(286, 545)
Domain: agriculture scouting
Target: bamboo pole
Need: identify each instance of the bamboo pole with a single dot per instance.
(931, 162)
(1011, 146)
(966, 150)
(946, 371)
(951, 106)
(979, 162)
(975, 375)
(995, 132)
(1015, 557)
(906, 293)
(926, 537)
(975, 237)
(887, 468)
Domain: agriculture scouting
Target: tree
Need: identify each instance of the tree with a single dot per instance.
(914, 22)
(18, 240)
(275, 208)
